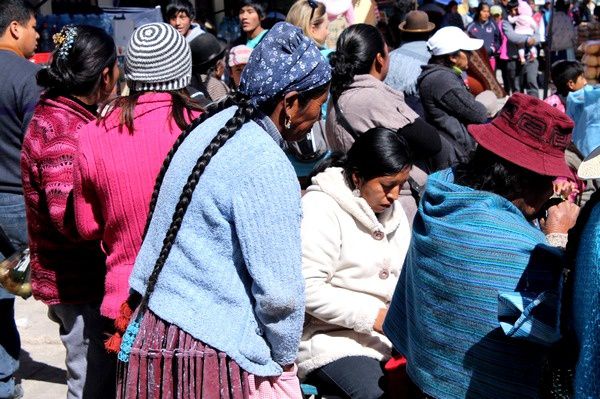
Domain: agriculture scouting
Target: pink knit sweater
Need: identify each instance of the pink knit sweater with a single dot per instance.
(115, 176)
(64, 269)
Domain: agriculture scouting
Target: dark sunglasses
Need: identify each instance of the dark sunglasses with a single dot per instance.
(313, 4)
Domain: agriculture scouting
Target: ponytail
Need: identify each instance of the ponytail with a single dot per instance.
(356, 50)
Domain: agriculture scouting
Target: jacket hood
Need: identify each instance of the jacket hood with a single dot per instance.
(333, 183)
(429, 69)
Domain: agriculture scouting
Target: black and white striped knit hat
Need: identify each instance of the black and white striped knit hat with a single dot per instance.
(158, 58)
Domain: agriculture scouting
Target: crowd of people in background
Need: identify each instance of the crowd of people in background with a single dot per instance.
(319, 207)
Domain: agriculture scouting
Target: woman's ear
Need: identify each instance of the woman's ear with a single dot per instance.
(356, 180)
(453, 58)
(106, 76)
(291, 105)
(379, 62)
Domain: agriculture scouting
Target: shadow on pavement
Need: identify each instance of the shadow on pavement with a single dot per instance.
(32, 370)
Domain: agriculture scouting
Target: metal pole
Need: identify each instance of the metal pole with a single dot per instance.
(548, 50)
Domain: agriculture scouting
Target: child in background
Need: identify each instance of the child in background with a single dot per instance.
(567, 77)
(237, 60)
(524, 25)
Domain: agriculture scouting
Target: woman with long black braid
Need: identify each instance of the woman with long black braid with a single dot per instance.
(220, 266)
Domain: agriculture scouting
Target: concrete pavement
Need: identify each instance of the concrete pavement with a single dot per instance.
(42, 370)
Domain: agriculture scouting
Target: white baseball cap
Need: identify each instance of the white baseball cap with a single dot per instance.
(450, 39)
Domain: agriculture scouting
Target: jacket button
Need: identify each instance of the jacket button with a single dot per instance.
(384, 274)
(378, 235)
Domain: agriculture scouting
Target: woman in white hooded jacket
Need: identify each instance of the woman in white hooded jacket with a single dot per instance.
(354, 239)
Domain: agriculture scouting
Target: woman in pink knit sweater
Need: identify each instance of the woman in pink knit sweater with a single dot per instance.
(120, 156)
(67, 273)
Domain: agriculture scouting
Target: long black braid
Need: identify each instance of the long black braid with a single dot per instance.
(244, 113)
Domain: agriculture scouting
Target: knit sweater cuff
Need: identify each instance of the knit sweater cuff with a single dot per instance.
(558, 239)
(365, 321)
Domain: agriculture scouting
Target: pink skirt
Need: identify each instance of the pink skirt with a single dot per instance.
(166, 362)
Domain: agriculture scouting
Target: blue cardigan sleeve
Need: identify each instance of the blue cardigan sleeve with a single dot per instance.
(266, 214)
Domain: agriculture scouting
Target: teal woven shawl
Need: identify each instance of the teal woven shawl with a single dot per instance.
(467, 247)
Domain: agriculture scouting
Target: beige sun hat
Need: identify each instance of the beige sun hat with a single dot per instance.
(590, 167)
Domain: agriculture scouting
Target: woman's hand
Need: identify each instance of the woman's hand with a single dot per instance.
(378, 326)
(565, 189)
(561, 218)
(288, 367)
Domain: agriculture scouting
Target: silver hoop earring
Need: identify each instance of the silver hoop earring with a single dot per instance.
(288, 123)
(356, 192)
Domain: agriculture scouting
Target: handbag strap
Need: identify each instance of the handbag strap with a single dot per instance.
(416, 190)
(343, 121)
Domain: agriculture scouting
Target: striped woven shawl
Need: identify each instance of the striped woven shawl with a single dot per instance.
(467, 247)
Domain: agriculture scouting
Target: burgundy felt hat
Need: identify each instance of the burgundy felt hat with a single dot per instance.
(529, 133)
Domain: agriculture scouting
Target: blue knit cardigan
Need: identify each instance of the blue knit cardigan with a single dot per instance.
(233, 279)
(468, 246)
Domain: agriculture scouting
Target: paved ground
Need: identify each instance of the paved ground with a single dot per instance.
(42, 372)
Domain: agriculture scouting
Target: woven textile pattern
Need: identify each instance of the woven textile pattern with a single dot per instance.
(467, 247)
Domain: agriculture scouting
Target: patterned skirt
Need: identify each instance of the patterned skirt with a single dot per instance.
(166, 362)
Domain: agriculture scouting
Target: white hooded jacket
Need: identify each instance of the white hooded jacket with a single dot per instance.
(351, 260)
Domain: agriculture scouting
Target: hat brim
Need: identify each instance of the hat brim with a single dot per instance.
(472, 45)
(211, 58)
(590, 167)
(430, 27)
(469, 44)
(495, 140)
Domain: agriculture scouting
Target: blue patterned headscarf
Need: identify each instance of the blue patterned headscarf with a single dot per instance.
(284, 61)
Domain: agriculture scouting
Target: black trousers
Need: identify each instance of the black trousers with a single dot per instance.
(354, 377)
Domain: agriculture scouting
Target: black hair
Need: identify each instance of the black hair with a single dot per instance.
(378, 152)
(79, 71)
(444, 59)
(479, 9)
(450, 5)
(356, 50)
(176, 6)
(245, 112)
(487, 171)
(562, 72)
(15, 10)
(407, 37)
(258, 7)
(561, 5)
